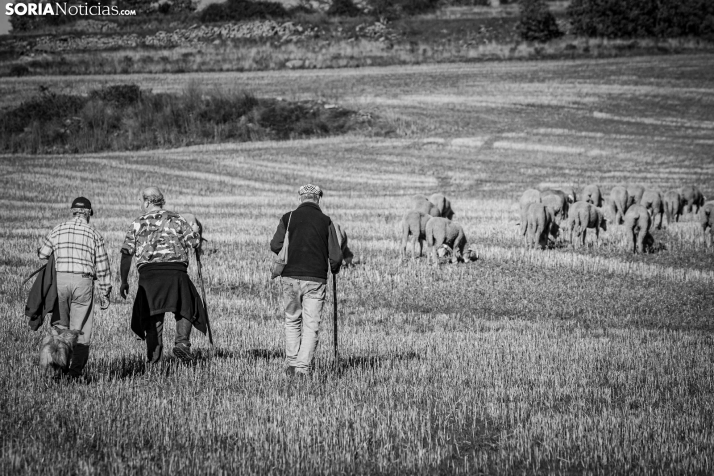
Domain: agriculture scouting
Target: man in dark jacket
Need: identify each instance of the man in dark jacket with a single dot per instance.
(312, 245)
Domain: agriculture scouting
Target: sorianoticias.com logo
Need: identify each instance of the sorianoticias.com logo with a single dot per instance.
(64, 8)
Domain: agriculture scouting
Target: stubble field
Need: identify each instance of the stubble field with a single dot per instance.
(558, 361)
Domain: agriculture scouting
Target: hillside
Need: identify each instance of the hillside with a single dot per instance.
(178, 42)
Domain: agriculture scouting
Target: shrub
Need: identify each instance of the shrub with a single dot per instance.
(214, 12)
(45, 108)
(122, 117)
(19, 70)
(470, 3)
(393, 9)
(417, 7)
(34, 22)
(142, 7)
(300, 9)
(237, 10)
(122, 95)
(642, 18)
(537, 23)
(383, 9)
(343, 8)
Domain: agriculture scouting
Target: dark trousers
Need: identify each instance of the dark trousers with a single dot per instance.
(154, 328)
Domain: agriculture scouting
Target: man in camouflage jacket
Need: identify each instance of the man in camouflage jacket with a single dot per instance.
(160, 240)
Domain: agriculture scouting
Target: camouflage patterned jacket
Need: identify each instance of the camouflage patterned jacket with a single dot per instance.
(160, 236)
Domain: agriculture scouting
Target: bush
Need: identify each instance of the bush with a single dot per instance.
(43, 109)
(394, 9)
(417, 7)
(237, 10)
(164, 8)
(214, 12)
(642, 18)
(469, 3)
(123, 117)
(19, 70)
(144, 9)
(537, 23)
(122, 95)
(300, 9)
(383, 9)
(343, 8)
(34, 22)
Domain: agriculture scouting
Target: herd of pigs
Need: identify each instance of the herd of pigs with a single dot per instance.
(545, 214)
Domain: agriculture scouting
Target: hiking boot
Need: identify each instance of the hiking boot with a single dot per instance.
(80, 355)
(290, 371)
(184, 354)
(303, 375)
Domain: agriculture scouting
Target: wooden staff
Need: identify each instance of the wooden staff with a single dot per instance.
(334, 313)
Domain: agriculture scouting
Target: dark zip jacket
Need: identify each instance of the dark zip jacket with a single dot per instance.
(313, 243)
(43, 296)
(166, 287)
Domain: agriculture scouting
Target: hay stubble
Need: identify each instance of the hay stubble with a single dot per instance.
(591, 360)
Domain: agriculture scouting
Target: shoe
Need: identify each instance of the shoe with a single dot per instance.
(184, 354)
(290, 371)
(303, 375)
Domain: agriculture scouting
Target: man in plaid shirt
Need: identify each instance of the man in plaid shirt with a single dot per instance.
(80, 259)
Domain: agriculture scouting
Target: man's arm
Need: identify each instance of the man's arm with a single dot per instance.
(276, 244)
(191, 229)
(335, 252)
(127, 251)
(46, 248)
(101, 268)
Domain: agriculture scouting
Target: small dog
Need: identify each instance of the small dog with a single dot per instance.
(56, 350)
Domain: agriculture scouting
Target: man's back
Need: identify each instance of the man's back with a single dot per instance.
(313, 243)
(160, 236)
(75, 244)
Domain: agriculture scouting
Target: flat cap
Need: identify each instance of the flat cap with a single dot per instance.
(310, 188)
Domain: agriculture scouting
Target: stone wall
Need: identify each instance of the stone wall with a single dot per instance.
(264, 30)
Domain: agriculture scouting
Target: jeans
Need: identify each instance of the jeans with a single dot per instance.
(154, 328)
(75, 299)
(303, 301)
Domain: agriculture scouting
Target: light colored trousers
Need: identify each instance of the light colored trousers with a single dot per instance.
(75, 296)
(303, 301)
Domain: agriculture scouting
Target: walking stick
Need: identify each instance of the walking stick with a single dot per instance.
(203, 294)
(334, 313)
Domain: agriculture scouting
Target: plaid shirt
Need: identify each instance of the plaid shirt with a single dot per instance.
(78, 249)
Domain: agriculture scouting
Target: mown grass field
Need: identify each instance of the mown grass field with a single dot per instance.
(588, 361)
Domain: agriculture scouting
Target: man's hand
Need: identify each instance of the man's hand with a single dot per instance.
(104, 302)
(193, 221)
(124, 290)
